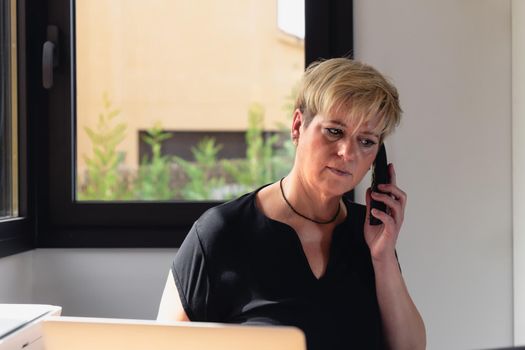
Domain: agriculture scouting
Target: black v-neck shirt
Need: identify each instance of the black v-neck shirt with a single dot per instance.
(238, 266)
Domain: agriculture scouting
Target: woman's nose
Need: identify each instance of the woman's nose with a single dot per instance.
(346, 150)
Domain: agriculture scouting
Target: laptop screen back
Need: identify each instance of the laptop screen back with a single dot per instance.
(65, 333)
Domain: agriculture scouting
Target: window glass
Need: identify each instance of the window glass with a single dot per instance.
(182, 100)
(288, 19)
(8, 112)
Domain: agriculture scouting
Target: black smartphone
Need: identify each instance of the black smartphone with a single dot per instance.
(379, 176)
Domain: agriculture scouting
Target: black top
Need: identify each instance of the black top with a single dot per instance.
(238, 266)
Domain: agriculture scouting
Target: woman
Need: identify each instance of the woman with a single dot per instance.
(296, 252)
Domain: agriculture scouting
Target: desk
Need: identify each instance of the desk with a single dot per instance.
(20, 325)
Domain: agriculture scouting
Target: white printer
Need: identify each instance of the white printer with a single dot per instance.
(20, 327)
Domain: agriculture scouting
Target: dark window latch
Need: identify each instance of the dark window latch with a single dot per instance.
(49, 56)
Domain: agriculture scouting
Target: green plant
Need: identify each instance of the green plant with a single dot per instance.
(285, 154)
(288, 107)
(103, 181)
(202, 175)
(154, 175)
(283, 157)
(257, 168)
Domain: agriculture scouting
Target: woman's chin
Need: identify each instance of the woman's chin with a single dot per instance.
(335, 188)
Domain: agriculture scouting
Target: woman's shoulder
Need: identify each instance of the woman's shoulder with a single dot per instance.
(226, 218)
(229, 210)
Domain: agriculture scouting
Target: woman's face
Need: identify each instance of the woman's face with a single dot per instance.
(332, 155)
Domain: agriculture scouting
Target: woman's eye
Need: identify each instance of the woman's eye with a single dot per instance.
(367, 142)
(334, 132)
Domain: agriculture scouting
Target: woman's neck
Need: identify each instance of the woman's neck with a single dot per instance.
(305, 200)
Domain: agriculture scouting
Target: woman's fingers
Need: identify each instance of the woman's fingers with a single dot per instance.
(392, 186)
(386, 219)
(386, 198)
(394, 191)
(396, 206)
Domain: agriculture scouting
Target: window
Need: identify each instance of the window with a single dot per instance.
(16, 224)
(65, 219)
(145, 74)
(8, 114)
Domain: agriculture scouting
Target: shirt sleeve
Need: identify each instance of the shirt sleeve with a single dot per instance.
(190, 272)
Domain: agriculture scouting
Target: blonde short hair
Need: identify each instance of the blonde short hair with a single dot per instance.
(342, 85)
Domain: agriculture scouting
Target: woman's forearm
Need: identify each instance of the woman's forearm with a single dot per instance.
(402, 324)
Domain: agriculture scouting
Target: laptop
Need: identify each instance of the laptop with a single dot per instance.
(80, 333)
(20, 325)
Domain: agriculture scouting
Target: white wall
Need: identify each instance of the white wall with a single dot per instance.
(122, 283)
(518, 152)
(16, 278)
(451, 60)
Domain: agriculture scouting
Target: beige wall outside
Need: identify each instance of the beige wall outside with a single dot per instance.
(188, 65)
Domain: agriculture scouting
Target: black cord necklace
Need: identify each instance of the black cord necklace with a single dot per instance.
(306, 217)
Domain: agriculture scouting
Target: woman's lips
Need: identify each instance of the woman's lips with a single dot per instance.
(339, 172)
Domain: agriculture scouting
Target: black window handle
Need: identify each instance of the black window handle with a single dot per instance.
(49, 56)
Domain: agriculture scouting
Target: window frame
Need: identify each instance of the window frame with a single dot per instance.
(65, 223)
(18, 234)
